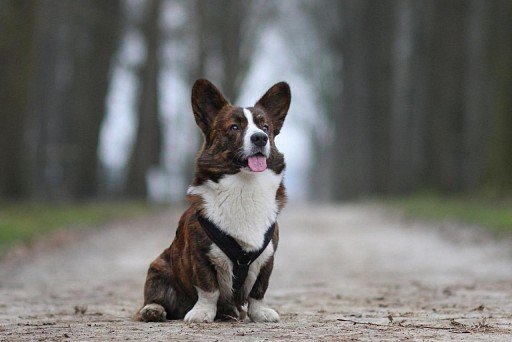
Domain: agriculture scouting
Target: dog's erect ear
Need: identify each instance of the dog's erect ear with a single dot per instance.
(275, 103)
(207, 101)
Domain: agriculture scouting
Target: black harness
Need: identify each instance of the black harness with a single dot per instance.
(240, 258)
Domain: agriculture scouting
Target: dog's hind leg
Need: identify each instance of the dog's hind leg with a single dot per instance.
(159, 295)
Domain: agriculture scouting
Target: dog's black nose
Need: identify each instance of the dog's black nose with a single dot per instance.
(259, 139)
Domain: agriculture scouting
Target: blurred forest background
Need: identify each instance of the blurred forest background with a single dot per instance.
(389, 97)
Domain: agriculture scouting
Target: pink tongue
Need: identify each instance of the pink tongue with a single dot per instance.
(257, 163)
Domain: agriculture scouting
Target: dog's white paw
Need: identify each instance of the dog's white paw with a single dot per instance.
(264, 315)
(205, 309)
(260, 313)
(200, 315)
(152, 313)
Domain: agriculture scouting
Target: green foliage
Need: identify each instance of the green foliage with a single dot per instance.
(493, 214)
(22, 222)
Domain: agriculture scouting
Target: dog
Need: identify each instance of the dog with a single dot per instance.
(221, 259)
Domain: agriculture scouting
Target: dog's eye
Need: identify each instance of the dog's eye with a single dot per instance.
(265, 128)
(233, 127)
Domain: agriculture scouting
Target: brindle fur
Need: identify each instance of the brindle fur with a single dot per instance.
(173, 276)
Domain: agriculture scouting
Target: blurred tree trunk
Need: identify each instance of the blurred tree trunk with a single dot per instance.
(500, 163)
(95, 31)
(406, 115)
(324, 17)
(200, 14)
(478, 93)
(197, 69)
(380, 40)
(352, 162)
(44, 127)
(323, 151)
(446, 95)
(226, 32)
(16, 33)
(236, 44)
(148, 144)
(362, 125)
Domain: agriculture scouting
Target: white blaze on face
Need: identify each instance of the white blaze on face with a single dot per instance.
(250, 130)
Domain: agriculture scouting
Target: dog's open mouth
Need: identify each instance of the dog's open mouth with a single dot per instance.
(257, 162)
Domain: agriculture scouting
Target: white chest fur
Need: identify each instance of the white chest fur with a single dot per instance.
(243, 205)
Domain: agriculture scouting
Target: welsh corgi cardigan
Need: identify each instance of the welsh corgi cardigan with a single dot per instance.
(220, 261)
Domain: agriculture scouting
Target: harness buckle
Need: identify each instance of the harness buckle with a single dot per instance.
(241, 264)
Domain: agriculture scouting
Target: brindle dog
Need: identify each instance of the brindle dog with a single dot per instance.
(238, 186)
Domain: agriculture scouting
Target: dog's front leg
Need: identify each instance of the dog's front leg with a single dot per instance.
(257, 310)
(205, 308)
(205, 281)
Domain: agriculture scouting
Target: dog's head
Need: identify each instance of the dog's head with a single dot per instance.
(238, 139)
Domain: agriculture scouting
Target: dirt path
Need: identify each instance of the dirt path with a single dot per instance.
(342, 273)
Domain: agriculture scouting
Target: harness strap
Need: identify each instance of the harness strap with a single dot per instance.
(239, 257)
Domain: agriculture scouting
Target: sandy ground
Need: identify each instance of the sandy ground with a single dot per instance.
(343, 273)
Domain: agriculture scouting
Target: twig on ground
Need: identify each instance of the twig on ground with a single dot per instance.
(415, 326)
